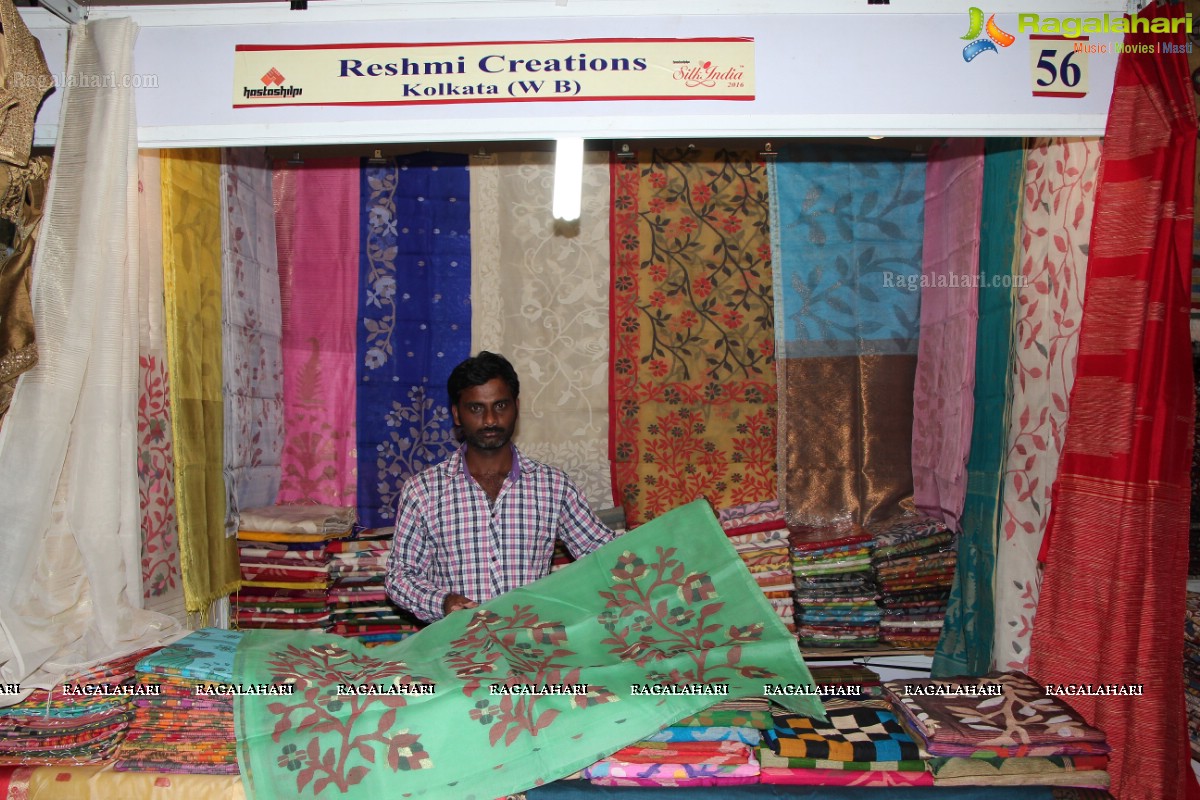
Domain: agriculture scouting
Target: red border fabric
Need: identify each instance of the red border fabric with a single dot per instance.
(1115, 551)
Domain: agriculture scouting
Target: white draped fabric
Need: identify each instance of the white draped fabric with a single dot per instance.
(70, 559)
(540, 297)
(252, 326)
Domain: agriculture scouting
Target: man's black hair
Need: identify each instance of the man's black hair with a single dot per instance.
(478, 370)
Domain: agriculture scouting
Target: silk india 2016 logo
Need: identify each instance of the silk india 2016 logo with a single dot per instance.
(995, 36)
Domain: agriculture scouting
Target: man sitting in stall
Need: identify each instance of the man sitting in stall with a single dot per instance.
(483, 521)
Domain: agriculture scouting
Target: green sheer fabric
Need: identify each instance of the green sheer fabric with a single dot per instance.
(668, 606)
(965, 647)
(191, 208)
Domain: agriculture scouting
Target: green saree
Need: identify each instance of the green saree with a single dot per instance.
(527, 688)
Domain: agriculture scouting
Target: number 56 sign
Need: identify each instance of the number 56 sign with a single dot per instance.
(1059, 66)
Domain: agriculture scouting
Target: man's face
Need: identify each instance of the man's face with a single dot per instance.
(487, 415)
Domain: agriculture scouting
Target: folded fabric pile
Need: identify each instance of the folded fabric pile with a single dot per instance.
(835, 589)
(914, 560)
(357, 600)
(285, 564)
(744, 712)
(1000, 730)
(847, 682)
(749, 517)
(185, 726)
(862, 744)
(715, 747)
(759, 534)
(83, 720)
(1191, 669)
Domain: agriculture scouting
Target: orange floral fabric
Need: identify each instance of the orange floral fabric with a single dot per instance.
(693, 354)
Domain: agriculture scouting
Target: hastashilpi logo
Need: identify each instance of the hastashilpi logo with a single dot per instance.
(272, 76)
(995, 36)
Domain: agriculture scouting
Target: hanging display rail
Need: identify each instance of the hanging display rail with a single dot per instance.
(347, 72)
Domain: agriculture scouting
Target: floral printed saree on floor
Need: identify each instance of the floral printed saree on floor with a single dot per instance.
(527, 688)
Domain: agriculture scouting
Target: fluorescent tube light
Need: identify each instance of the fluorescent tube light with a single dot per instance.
(568, 178)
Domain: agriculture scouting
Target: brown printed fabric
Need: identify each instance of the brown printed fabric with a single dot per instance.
(1003, 713)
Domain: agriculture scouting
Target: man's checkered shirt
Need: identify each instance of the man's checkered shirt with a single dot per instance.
(449, 539)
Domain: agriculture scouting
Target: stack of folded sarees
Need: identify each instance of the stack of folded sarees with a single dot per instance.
(861, 744)
(186, 724)
(759, 534)
(914, 561)
(1001, 729)
(284, 553)
(1191, 669)
(715, 747)
(835, 588)
(357, 601)
(82, 720)
(846, 682)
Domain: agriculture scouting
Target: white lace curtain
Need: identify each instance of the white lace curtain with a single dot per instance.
(540, 296)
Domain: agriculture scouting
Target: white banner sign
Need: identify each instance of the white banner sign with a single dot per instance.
(482, 72)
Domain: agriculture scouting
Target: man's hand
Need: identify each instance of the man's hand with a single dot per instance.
(456, 602)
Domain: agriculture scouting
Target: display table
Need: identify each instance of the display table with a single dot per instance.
(106, 783)
(582, 790)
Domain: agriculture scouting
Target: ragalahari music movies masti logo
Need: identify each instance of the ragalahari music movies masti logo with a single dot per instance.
(995, 36)
(273, 76)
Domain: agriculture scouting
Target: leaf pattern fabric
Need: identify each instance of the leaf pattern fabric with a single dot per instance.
(252, 371)
(162, 582)
(847, 234)
(999, 714)
(1056, 221)
(693, 380)
(317, 234)
(414, 309)
(667, 604)
(539, 295)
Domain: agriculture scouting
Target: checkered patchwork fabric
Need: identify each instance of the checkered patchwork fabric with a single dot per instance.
(852, 734)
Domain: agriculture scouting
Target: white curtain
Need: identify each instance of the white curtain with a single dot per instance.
(539, 295)
(70, 557)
